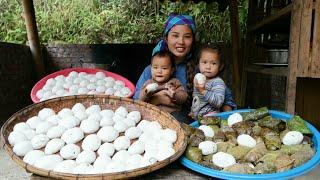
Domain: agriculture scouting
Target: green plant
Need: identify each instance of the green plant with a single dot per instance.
(112, 21)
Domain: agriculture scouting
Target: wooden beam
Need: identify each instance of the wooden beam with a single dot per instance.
(33, 37)
(293, 55)
(235, 31)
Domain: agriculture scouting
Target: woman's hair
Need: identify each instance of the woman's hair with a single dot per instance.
(165, 53)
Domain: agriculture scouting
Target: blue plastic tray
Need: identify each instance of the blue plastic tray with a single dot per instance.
(283, 175)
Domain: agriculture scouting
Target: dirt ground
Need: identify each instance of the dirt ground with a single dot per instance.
(10, 170)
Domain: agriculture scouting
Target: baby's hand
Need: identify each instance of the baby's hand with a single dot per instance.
(199, 87)
(170, 90)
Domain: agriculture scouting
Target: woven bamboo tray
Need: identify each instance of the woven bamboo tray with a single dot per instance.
(147, 111)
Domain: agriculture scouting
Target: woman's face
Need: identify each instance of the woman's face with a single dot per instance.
(179, 41)
(161, 69)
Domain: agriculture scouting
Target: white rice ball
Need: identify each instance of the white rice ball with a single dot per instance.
(223, 160)
(136, 148)
(84, 83)
(201, 78)
(69, 122)
(70, 151)
(135, 115)
(107, 113)
(234, 118)
(33, 122)
(110, 91)
(16, 137)
(116, 118)
(32, 156)
(292, 138)
(65, 112)
(81, 115)
(121, 111)
(93, 109)
(48, 162)
(246, 140)
(22, 126)
(51, 82)
(101, 163)
(53, 146)
(106, 149)
(129, 122)
(83, 168)
(39, 141)
(53, 119)
(121, 156)
(96, 117)
(86, 157)
(152, 87)
(74, 89)
(60, 78)
(100, 75)
(133, 132)
(169, 135)
(66, 166)
(107, 134)
(164, 153)
(106, 121)
(120, 126)
(40, 93)
(134, 161)
(101, 82)
(121, 143)
(208, 132)
(208, 147)
(73, 74)
(83, 90)
(101, 89)
(45, 113)
(78, 107)
(152, 127)
(125, 91)
(73, 135)
(143, 124)
(56, 132)
(89, 126)
(91, 143)
(22, 148)
(43, 127)
(29, 133)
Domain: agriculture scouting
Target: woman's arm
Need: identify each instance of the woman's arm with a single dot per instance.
(146, 74)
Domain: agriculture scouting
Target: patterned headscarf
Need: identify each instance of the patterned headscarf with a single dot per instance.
(173, 20)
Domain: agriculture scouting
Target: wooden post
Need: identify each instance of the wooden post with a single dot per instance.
(33, 37)
(235, 31)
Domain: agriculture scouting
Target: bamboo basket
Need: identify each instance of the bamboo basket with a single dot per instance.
(147, 111)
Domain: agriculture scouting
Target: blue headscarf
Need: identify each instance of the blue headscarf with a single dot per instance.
(173, 20)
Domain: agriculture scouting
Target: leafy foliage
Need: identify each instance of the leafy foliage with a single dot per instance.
(112, 21)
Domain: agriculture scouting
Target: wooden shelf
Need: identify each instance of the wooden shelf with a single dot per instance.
(269, 20)
(277, 71)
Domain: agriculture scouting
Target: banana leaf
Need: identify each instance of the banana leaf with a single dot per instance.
(207, 158)
(255, 114)
(244, 127)
(283, 163)
(272, 140)
(256, 153)
(302, 157)
(238, 152)
(194, 154)
(224, 146)
(272, 123)
(298, 124)
(292, 149)
(239, 168)
(210, 165)
(256, 130)
(225, 127)
(209, 120)
(196, 138)
(264, 168)
(187, 129)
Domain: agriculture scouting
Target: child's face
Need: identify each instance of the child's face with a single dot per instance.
(161, 69)
(209, 64)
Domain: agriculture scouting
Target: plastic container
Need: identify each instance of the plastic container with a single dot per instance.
(65, 72)
(312, 163)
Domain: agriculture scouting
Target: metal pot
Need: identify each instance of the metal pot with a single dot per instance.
(279, 56)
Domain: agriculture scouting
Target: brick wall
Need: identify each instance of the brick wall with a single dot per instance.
(16, 78)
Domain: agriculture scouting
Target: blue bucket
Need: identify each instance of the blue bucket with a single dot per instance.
(312, 163)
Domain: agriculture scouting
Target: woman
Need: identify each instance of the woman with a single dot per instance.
(179, 39)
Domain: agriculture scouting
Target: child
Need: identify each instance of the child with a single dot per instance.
(209, 89)
(161, 84)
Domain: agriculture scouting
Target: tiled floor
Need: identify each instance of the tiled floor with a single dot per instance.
(9, 170)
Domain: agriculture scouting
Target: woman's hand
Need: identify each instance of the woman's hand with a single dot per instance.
(162, 98)
(199, 87)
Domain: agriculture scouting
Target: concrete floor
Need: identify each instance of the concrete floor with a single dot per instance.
(9, 170)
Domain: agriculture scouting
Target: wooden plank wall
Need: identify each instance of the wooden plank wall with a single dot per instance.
(315, 61)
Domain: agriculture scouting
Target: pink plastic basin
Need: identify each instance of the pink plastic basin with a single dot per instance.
(65, 72)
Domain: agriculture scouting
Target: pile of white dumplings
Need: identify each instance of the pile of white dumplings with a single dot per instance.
(90, 140)
(82, 83)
